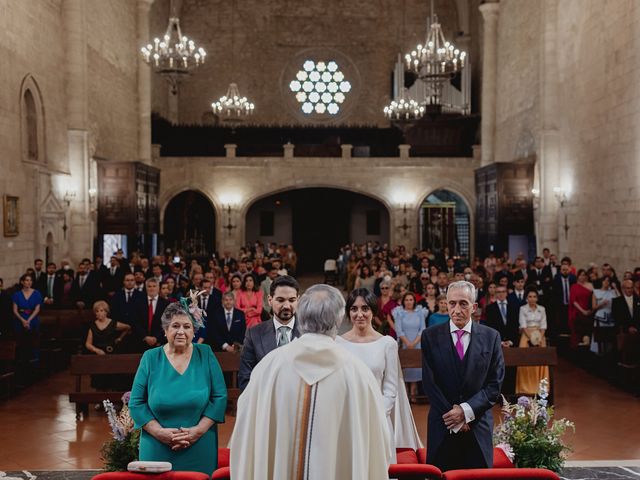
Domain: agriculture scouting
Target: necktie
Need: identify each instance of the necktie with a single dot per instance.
(503, 311)
(82, 279)
(128, 296)
(205, 300)
(565, 288)
(113, 271)
(520, 296)
(50, 286)
(229, 320)
(459, 346)
(150, 314)
(283, 339)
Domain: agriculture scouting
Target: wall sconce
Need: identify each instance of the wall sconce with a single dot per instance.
(561, 195)
(405, 226)
(229, 226)
(69, 195)
(562, 198)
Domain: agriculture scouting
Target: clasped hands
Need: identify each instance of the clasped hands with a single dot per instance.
(455, 417)
(180, 438)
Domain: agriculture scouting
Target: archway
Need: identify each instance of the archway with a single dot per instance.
(190, 224)
(445, 223)
(317, 221)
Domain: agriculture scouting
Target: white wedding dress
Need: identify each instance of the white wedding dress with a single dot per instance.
(381, 356)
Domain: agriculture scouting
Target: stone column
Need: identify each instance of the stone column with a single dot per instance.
(404, 150)
(230, 150)
(490, 13)
(288, 149)
(346, 150)
(550, 217)
(144, 85)
(80, 234)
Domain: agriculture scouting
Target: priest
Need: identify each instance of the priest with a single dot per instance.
(311, 409)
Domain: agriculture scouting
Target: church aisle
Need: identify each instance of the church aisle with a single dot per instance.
(40, 430)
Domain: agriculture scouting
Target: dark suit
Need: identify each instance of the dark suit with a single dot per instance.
(513, 298)
(58, 289)
(258, 341)
(449, 381)
(123, 311)
(560, 317)
(541, 281)
(217, 332)
(141, 321)
(112, 282)
(510, 330)
(88, 292)
(621, 314)
(40, 283)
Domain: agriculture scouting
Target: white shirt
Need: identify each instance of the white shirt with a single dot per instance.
(533, 318)
(469, 416)
(289, 331)
(629, 301)
(519, 294)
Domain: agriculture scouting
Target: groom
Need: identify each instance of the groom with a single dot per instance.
(462, 373)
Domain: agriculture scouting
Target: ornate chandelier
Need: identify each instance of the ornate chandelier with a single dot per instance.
(232, 104)
(174, 55)
(436, 61)
(402, 108)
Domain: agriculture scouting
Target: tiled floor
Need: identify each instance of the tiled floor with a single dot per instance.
(40, 430)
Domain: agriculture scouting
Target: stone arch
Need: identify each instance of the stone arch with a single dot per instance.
(32, 121)
(168, 195)
(466, 198)
(303, 214)
(192, 218)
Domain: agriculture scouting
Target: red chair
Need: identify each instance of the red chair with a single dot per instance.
(154, 476)
(410, 466)
(222, 473)
(500, 459)
(501, 473)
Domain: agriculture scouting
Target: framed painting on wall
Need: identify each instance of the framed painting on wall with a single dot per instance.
(11, 216)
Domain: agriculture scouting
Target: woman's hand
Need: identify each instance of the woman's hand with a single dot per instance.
(99, 351)
(185, 437)
(26, 325)
(164, 435)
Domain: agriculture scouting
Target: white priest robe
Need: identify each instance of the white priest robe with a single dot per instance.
(311, 411)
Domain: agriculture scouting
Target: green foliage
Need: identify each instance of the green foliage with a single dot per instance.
(116, 454)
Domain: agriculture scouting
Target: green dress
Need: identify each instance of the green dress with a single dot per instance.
(159, 392)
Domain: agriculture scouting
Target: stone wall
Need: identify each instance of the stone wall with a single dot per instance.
(395, 182)
(518, 79)
(599, 120)
(34, 49)
(112, 52)
(567, 77)
(267, 35)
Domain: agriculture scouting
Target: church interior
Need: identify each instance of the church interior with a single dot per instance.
(393, 145)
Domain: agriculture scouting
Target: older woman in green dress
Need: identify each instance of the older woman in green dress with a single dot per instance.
(179, 396)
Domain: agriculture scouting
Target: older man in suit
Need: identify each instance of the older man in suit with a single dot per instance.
(226, 326)
(462, 374)
(280, 330)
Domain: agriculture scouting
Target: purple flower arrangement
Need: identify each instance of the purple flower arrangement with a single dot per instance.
(529, 435)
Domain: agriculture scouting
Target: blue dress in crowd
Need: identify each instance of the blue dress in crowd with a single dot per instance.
(410, 324)
(26, 308)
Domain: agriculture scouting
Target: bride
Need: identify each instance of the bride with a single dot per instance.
(380, 354)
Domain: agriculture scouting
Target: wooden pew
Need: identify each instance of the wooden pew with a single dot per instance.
(513, 357)
(127, 364)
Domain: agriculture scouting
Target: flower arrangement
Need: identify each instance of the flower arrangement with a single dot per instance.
(123, 447)
(529, 435)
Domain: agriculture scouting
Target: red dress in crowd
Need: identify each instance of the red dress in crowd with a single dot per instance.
(579, 324)
(251, 306)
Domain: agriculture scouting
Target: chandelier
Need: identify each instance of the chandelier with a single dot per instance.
(232, 104)
(403, 109)
(174, 55)
(435, 62)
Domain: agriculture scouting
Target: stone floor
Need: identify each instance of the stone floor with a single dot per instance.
(40, 431)
(569, 473)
